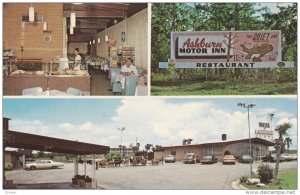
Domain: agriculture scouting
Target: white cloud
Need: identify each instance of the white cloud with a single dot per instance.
(66, 126)
(161, 122)
(86, 126)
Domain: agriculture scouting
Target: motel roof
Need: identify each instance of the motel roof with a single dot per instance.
(43, 143)
(253, 140)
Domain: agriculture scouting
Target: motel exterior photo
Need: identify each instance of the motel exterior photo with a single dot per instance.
(235, 147)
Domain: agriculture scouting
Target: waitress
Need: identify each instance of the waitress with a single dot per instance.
(77, 60)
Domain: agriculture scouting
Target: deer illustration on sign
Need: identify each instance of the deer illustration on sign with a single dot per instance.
(257, 52)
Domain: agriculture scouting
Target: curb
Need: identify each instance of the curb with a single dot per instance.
(237, 186)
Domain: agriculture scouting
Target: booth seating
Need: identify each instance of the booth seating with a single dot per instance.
(130, 85)
(33, 90)
(75, 92)
(114, 73)
(130, 82)
(116, 87)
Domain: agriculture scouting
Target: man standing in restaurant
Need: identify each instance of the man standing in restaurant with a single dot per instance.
(77, 60)
(128, 69)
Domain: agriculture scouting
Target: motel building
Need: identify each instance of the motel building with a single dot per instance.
(260, 148)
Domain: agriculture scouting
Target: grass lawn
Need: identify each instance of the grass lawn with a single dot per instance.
(288, 181)
(225, 88)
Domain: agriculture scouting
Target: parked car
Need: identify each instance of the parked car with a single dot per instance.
(43, 164)
(272, 158)
(229, 159)
(170, 159)
(246, 159)
(191, 158)
(209, 159)
(289, 157)
(29, 160)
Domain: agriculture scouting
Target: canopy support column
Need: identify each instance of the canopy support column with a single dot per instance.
(94, 185)
(76, 165)
(84, 166)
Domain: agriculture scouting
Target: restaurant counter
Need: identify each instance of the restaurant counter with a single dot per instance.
(14, 84)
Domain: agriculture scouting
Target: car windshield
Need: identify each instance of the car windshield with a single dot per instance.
(207, 157)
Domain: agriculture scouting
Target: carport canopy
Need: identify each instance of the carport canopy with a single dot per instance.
(16, 139)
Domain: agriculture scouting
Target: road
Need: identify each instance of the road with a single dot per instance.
(166, 176)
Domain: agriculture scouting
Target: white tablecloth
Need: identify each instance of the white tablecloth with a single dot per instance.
(50, 93)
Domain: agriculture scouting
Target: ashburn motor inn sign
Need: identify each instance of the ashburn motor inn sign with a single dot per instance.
(226, 49)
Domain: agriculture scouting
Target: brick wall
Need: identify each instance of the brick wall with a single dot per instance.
(34, 44)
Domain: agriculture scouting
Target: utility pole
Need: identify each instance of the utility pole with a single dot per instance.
(248, 106)
(271, 117)
(121, 129)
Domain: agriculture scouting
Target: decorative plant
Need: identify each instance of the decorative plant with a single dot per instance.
(88, 179)
(89, 162)
(265, 173)
(81, 161)
(77, 176)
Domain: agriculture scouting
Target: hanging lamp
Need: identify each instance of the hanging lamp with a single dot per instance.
(45, 27)
(71, 30)
(106, 35)
(123, 34)
(31, 13)
(73, 19)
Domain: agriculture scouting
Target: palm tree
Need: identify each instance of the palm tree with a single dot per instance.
(288, 142)
(282, 130)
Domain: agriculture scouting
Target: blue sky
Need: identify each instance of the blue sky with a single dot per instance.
(162, 121)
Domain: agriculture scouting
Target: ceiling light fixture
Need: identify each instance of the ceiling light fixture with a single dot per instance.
(123, 34)
(106, 33)
(73, 19)
(45, 26)
(71, 30)
(31, 13)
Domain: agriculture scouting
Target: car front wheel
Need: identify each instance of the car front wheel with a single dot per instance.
(32, 168)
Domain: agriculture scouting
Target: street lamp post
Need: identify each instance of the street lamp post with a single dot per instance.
(121, 129)
(271, 117)
(248, 106)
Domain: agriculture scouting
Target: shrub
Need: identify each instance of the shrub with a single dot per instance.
(77, 176)
(88, 179)
(265, 173)
(243, 179)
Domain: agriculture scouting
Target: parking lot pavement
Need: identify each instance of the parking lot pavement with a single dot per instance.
(167, 176)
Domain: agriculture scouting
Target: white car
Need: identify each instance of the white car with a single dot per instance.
(289, 157)
(43, 164)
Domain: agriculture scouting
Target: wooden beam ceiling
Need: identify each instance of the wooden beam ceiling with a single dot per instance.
(103, 13)
(89, 25)
(92, 18)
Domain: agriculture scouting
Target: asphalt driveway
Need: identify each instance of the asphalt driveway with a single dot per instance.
(167, 176)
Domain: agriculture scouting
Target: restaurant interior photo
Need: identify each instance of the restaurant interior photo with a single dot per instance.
(75, 49)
